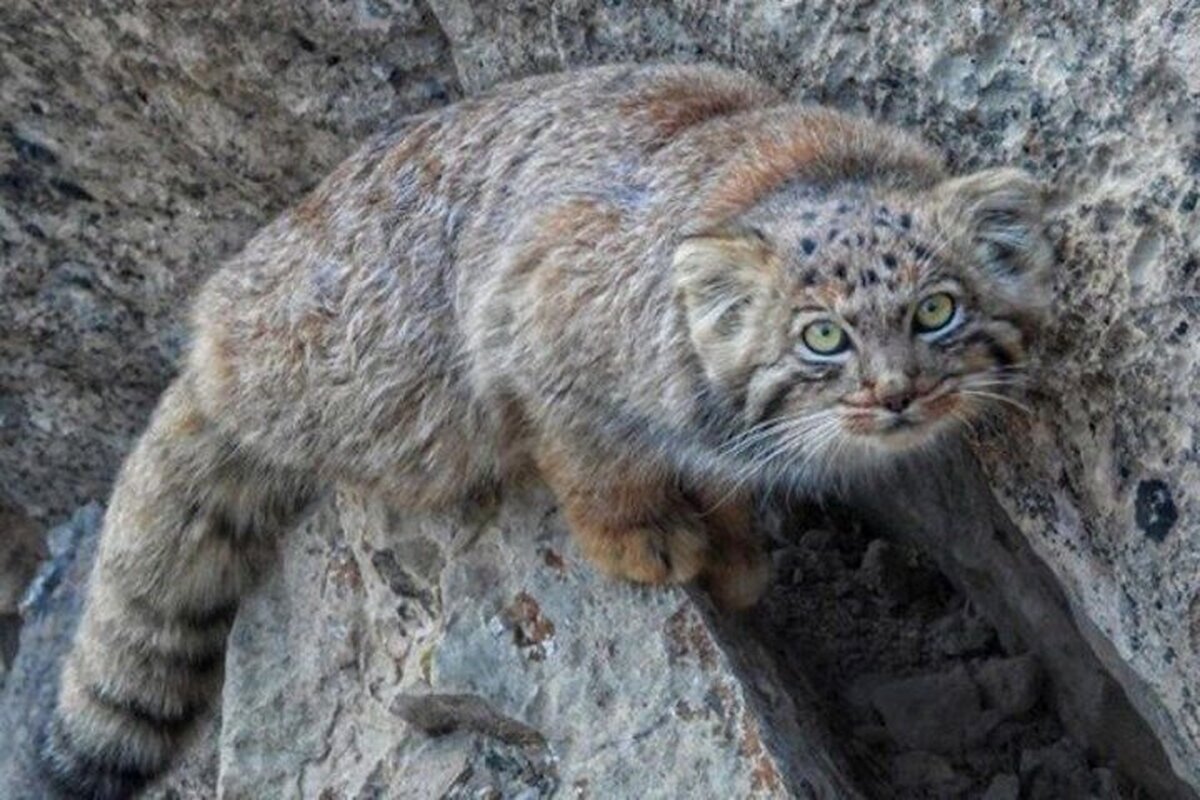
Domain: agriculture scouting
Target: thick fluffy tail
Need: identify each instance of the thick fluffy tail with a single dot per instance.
(192, 523)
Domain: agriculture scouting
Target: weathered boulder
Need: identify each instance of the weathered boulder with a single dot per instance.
(423, 657)
(434, 656)
(140, 143)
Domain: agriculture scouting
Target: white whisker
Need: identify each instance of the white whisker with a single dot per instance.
(998, 398)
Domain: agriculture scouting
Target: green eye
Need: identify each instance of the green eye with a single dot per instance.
(825, 338)
(934, 313)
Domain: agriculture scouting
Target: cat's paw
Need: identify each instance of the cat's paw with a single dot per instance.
(737, 579)
(673, 552)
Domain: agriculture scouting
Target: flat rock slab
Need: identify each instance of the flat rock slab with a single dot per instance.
(442, 656)
(438, 657)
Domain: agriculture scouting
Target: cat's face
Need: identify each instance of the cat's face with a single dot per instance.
(860, 324)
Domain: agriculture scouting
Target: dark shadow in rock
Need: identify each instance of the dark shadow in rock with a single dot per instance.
(796, 716)
(22, 548)
(947, 649)
(50, 611)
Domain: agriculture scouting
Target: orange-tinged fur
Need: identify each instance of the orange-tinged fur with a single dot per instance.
(634, 525)
(674, 103)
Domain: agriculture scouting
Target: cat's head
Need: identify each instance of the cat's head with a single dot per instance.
(855, 322)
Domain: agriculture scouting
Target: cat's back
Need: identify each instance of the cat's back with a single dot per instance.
(600, 133)
(400, 231)
(366, 283)
(438, 188)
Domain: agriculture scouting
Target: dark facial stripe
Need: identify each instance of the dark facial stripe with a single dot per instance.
(778, 396)
(997, 351)
(780, 393)
(189, 516)
(222, 526)
(1001, 355)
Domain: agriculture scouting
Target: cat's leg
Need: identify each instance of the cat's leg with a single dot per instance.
(192, 523)
(736, 570)
(632, 522)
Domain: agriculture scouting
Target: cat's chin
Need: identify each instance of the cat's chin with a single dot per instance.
(901, 435)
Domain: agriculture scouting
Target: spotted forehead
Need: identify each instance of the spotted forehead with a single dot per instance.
(842, 249)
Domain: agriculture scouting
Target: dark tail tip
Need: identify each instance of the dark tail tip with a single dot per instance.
(80, 776)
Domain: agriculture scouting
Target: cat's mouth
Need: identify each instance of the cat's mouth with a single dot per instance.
(905, 427)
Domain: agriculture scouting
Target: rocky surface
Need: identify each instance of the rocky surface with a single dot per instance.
(925, 691)
(50, 608)
(472, 657)
(480, 657)
(21, 550)
(395, 656)
(141, 142)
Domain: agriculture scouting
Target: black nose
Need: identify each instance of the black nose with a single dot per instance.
(897, 401)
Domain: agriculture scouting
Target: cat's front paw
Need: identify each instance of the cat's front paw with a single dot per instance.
(737, 579)
(673, 552)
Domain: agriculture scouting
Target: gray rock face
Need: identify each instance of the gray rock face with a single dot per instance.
(403, 656)
(50, 609)
(397, 657)
(142, 143)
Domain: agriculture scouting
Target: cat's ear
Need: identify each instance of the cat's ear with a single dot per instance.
(729, 284)
(1000, 215)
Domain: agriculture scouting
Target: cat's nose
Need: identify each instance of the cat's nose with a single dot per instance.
(897, 400)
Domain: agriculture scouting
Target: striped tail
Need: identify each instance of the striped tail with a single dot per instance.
(193, 522)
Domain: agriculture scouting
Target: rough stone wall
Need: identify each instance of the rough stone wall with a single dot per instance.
(141, 142)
